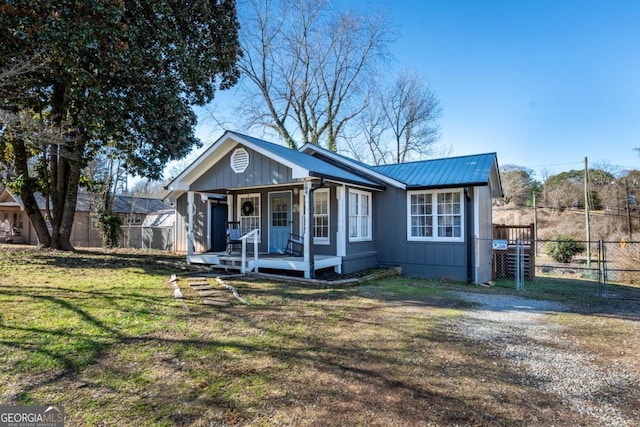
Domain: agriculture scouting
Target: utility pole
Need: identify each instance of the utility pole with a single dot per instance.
(535, 226)
(586, 210)
(626, 197)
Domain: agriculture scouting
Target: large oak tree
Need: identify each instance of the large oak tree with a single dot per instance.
(117, 73)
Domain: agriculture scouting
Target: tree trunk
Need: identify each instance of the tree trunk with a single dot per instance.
(66, 164)
(26, 193)
(63, 178)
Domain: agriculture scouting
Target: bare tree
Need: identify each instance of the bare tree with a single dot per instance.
(311, 66)
(400, 123)
(412, 109)
(373, 126)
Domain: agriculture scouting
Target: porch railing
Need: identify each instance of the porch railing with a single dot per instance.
(255, 235)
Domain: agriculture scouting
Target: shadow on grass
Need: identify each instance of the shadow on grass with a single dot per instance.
(320, 357)
(97, 258)
(374, 354)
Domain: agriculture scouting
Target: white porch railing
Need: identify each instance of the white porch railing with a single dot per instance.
(255, 234)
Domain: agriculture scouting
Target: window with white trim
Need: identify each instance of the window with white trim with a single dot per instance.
(435, 215)
(249, 212)
(320, 216)
(359, 215)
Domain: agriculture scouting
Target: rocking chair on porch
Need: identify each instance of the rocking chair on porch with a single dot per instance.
(295, 245)
(234, 234)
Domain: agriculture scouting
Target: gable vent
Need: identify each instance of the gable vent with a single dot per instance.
(239, 160)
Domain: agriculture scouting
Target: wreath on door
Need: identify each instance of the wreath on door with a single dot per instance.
(247, 208)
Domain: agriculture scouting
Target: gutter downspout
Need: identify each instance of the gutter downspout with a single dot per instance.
(469, 239)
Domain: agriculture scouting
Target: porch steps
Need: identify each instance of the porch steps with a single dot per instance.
(210, 295)
(218, 302)
(231, 262)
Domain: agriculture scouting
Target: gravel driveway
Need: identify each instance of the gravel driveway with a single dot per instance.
(520, 331)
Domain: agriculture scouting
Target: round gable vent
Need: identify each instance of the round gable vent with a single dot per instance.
(239, 160)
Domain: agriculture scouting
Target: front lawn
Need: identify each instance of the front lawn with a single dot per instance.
(101, 334)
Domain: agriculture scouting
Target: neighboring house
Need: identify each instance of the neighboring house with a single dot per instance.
(85, 232)
(432, 218)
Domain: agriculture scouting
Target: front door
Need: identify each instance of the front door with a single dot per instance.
(279, 221)
(218, 231)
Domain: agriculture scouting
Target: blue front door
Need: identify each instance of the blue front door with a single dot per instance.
(279, 221)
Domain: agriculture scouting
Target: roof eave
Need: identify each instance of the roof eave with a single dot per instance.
(445, 186)
(346, 181)
(366, 171)
(183, 181)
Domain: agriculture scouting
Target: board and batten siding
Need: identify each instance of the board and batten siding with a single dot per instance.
(361, 255)
(424, 259)
(323, 248)
(261, 171)
(200, 224)
(483, 234)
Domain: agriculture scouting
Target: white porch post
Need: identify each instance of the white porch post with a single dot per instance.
(230, 207)
(190, 235)
(341, 234)
(308, 236)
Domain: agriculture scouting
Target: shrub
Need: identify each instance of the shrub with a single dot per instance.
(563, 248)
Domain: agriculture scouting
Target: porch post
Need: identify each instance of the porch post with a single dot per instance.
(230, 207)
(308, 231)
(190, 235)
(341, 235)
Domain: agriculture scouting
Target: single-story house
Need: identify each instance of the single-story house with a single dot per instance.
(16, 226)
(432, 218)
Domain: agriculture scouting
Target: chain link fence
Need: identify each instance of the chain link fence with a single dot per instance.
(601, 268)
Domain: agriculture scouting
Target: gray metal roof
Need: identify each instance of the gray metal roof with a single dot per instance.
(316, 167)
(454, 171)
(86, 202)
(141, 205)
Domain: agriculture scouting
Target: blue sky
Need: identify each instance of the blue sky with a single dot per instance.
(542, 83)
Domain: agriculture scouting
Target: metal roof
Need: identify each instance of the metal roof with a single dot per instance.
(141, 205)
(316, 167)
(454, 171)
(164, 218)
(86, 202)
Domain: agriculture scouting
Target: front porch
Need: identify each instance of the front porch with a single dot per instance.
(272, 261)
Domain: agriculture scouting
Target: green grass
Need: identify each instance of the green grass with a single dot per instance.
(101, 334)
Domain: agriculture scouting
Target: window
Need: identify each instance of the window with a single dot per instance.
(359, 216)
(320, 216)
(435, 215)
(133, 219)
(249, 212)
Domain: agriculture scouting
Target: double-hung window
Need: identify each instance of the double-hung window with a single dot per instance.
(320, 216)
(435, 215)
(359, 216)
